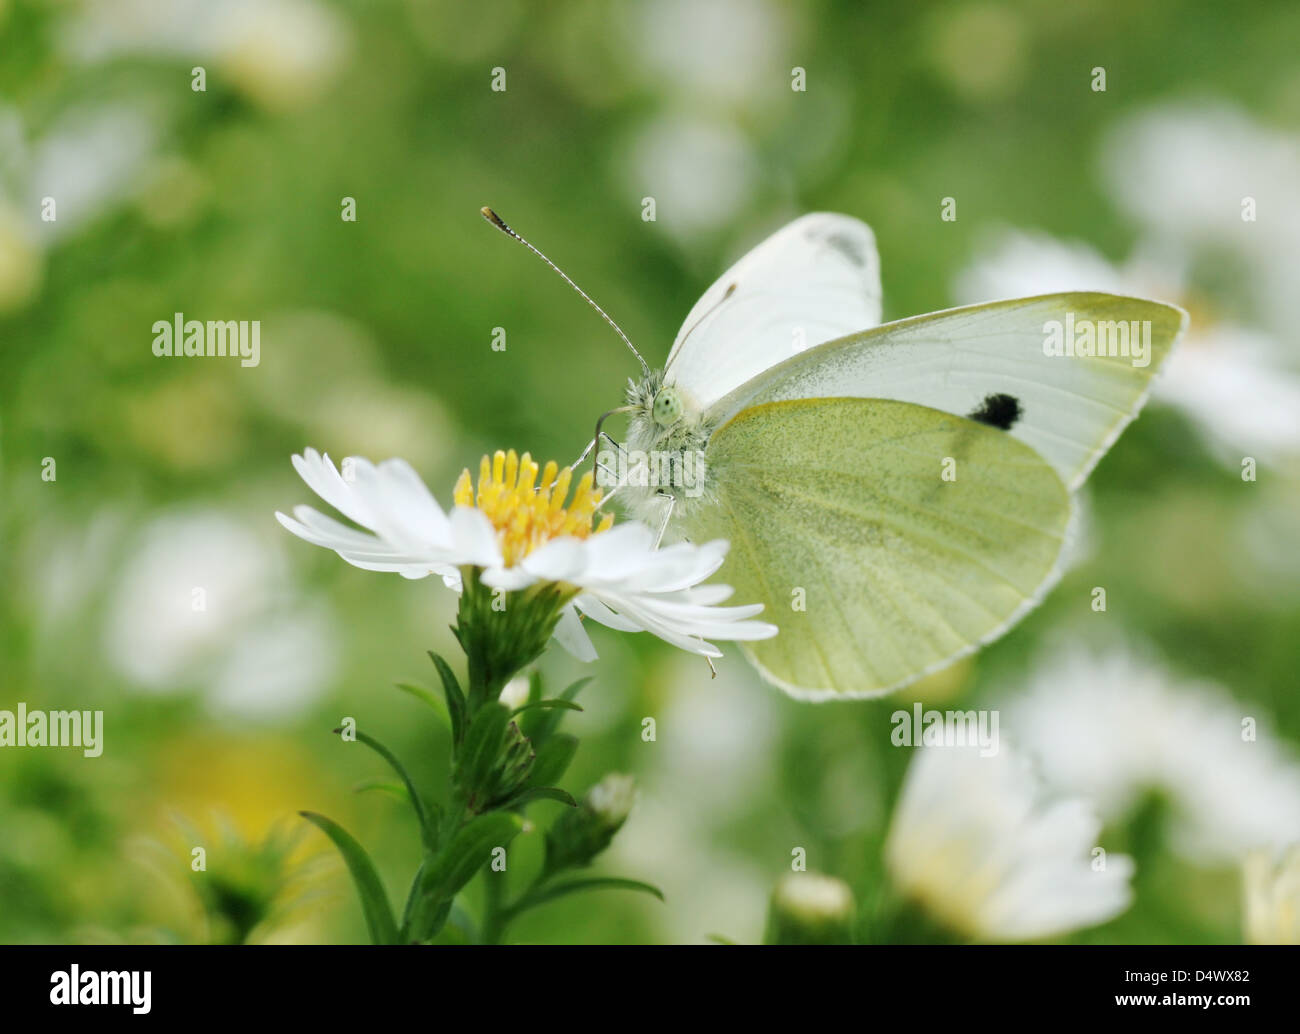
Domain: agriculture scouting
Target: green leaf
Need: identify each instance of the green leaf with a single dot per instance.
(541, 727)
(567, 705)
(468, 851)
(482, 748)
(538, 793)
(559, 890)
(571, 692)
(426, 696)
(459, 929)
(374, 902)
(383, 786)
(427, 831)
(455, 698)
(552, 761)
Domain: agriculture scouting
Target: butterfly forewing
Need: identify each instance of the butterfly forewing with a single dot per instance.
(1069, 407)
(816, 279)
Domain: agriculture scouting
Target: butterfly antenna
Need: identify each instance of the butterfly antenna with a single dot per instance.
(504, 227)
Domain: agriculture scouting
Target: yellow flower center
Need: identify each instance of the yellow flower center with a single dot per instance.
(526, 513)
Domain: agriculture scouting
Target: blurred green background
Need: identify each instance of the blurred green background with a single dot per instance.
(377, 341)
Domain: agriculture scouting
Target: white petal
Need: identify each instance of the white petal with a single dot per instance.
(474, 538)
(570, 634)
(508, 578)
(591, 605)
(321, 477)
(560, 560)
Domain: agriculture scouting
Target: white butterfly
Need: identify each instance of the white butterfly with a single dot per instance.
(895, 495)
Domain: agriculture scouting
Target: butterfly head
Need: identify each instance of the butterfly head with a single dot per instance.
(663, 416)
(664, 451)
(667, 407)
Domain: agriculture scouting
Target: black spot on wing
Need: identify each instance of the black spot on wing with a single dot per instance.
(997, 411)
(848, 247)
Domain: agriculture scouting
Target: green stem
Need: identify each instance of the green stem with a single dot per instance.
(499, 638)
(411, 896)
(501, 634)
(495, 917)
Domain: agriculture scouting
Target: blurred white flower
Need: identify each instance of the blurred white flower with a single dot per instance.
(721, 50)
(700, 172)
(711, 764)
(520, 535)
(194, 579)
(812, 896)
(810, 908)
(978, 843)
(1228, 150)
(87, 160)
(715, 740)
(1271, 898)
(1232, 382)
(281, 53)
(277, 666)
(713, 889)
(204, 600)
(1146, 163)
(1112, 728)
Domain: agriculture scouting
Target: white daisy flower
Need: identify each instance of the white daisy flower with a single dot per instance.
(978, 844)
(1271, 906)
(1234, 383)
(1113, 728)
(517, 532)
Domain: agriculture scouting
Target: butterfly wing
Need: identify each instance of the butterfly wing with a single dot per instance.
(1071, 408)
(816, 279)
(876, 568)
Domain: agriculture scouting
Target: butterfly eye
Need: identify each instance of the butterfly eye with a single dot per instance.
(667, 407)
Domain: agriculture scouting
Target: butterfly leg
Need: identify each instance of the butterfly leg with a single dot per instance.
(578, 462)
(605, 439)
(659, 537)
(601, 437)
(668, 512)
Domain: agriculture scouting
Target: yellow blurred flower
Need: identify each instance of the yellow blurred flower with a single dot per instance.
(21, 264)
(1271, 907)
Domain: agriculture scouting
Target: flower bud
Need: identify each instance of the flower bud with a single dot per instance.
(611, 800)
(582, 833)
(809, 908)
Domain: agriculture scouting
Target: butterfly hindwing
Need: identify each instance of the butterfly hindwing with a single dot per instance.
(885, 539)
